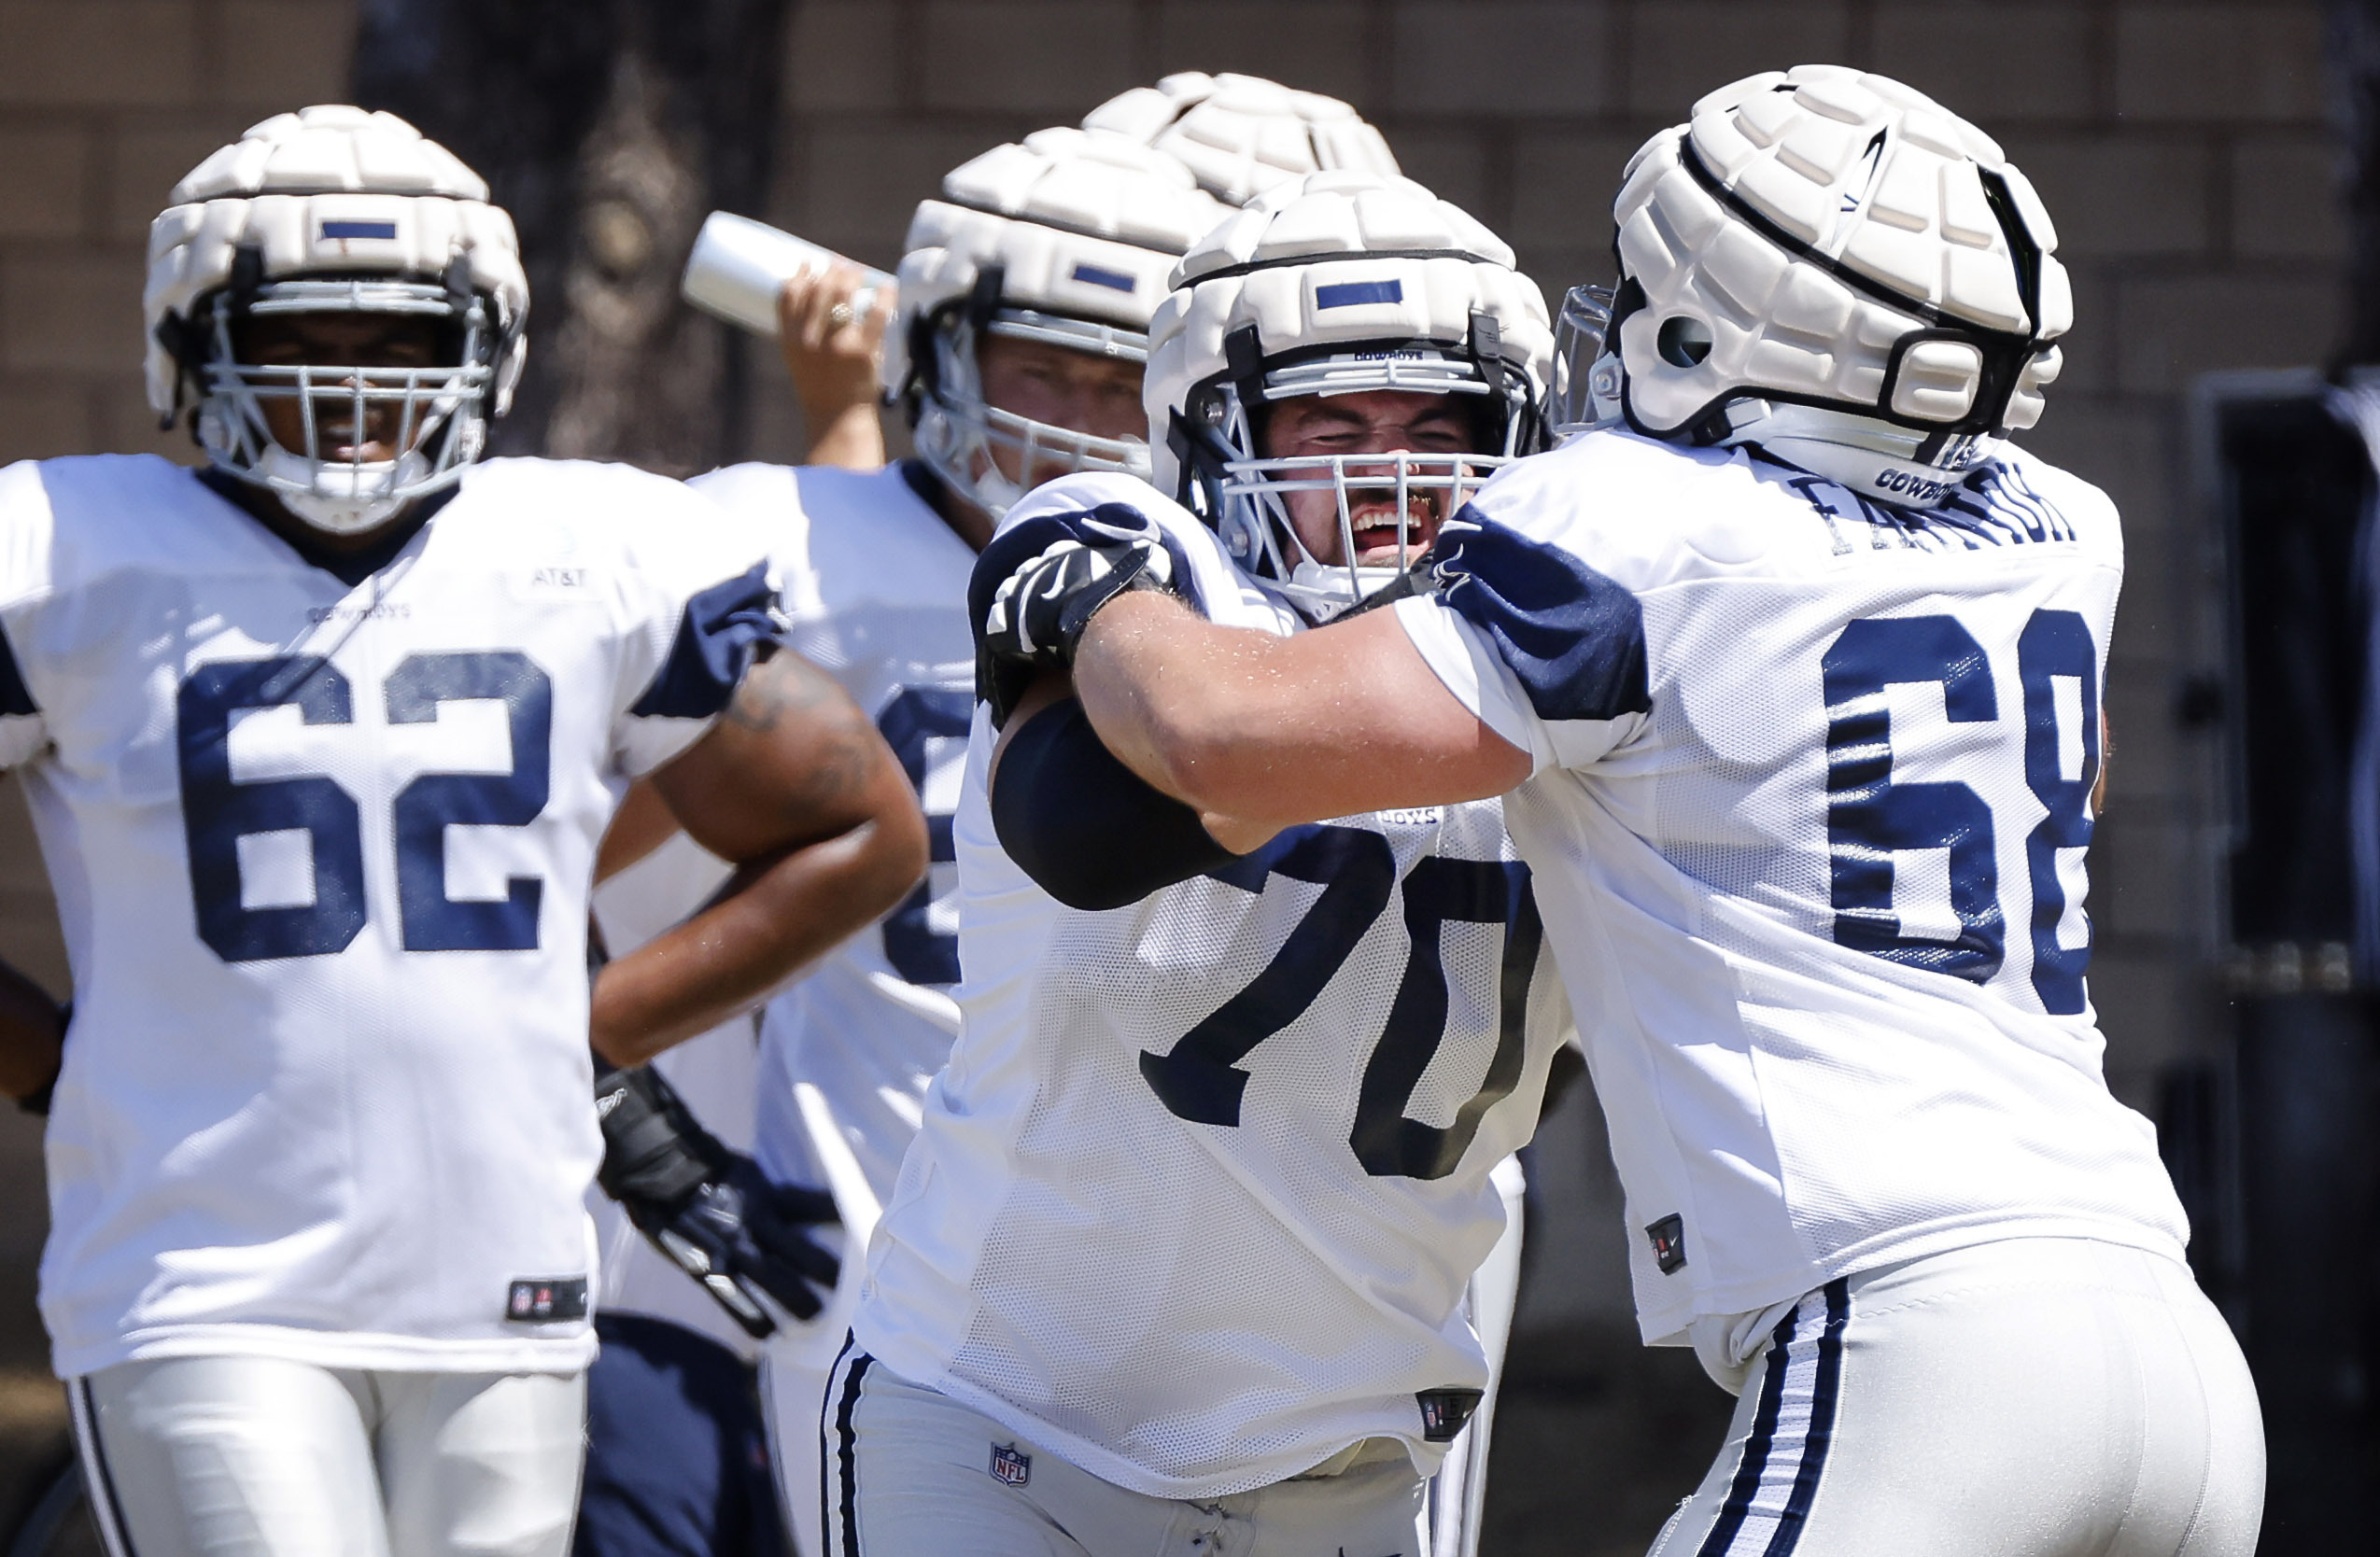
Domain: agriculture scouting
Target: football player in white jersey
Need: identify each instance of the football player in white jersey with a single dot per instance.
(1016, 351)
(1795, 681)
(319, 741)
(1176, 1262)
(1244, 136)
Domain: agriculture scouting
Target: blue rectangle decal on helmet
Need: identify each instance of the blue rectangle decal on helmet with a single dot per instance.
(1347, 294)
(359, 230)
(1113, 280)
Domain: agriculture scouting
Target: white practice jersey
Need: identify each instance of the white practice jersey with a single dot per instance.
(875, 591)
(1811, 794)
(1196, 1198)
(321, 853)
(716, 1072)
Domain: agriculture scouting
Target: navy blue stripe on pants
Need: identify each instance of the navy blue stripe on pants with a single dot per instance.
(839, 1489)
(1785, 1453)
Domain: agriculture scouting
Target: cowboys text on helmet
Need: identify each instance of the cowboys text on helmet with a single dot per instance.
(1832, 265)
(334, 210)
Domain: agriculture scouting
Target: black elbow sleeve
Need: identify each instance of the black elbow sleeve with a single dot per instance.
(1090, 831)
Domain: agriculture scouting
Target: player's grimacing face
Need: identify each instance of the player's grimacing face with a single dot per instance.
(1372, 421)
(1066, 388)
(337, 340)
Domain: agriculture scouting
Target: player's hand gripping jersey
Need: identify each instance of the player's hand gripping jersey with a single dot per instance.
(322, 851)
(1820, 773)
(1196, 1198)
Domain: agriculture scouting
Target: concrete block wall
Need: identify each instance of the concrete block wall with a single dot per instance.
(104, 104)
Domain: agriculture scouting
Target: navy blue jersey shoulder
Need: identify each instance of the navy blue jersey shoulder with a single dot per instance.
(716, 639)
(1574, 638)
(15, 697)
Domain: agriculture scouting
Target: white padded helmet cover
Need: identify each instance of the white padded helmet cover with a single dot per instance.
(1243, 134)
(1362, 284)
(1870, 176)
(325, 191)
(1086, 224)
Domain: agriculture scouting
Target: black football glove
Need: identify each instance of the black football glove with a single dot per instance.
(711, 1210)
(1037, 586)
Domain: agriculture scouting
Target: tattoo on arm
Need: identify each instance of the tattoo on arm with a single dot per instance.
(787, 695)
(838, 770)
(783, 686)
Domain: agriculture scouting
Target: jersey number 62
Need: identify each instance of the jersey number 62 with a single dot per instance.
(217, 810)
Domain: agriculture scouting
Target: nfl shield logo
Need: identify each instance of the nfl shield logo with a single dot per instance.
(1011, 1464)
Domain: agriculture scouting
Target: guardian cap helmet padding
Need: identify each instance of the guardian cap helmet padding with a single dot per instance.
(1343, 283)
(1833, 266)
(1065, 239)
(1243, 134)
(336, 210)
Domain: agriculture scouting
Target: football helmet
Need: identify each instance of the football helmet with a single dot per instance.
(1065, 239)
(1832, 266)
(1243, 134)
(1341, 284)
(334, 210)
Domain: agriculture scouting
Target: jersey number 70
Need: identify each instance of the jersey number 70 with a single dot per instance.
(217, 810)
(1199, 1078)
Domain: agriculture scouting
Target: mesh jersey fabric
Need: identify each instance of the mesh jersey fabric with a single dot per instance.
(1809, 816)
(874, 594)
(1197, 1197)
(321, 857)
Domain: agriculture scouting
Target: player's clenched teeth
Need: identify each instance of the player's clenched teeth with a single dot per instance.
(1376, 536)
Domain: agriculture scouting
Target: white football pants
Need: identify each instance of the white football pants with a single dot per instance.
(913, 1473)
(793, 1393)
(1458, 1492)
(258, 1457)
(2036, 1397)
(795, 1365)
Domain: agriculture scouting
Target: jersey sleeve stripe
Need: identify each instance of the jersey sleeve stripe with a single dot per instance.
(1573, 637)
(716, 642)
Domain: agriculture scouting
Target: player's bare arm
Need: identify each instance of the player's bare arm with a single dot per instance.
(1261, 733)
(799, 790)
(33, 1031)
(641, 825)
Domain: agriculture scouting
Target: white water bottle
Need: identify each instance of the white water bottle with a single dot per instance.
(739, 266)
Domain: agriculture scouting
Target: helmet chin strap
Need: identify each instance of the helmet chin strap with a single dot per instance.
(956, 451)
(1325, 591)
(1876, 460)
